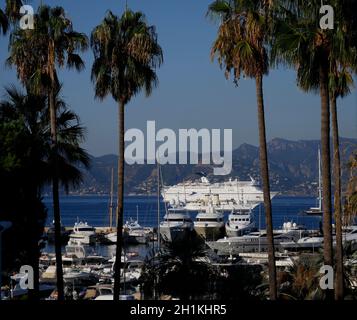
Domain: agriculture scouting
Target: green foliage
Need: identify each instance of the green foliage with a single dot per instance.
(350, 206)
(9, 132)
(4, 23)
(239, 282)
(12, 9)
(241, 44)
(181, 270)
(53, 43)
(299, 41)
(126, 53)
(26, 164)
(301, 280)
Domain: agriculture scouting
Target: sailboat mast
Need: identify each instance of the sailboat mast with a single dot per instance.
(111, 201)
(158, 205)
(320, 187)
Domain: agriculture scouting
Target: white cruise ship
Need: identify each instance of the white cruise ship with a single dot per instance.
(226, 196)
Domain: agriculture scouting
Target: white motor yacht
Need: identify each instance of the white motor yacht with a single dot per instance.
(240, 221)
(82, 233)
(76, 250)
(177, 224)
(305, 243)
(136, 234)
(209, 224)
(257, 241)
(111, 237)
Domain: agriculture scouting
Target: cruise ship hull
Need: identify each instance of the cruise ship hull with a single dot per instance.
(226, 196)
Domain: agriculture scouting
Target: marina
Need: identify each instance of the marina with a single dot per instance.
(238, 237)
(164, 150)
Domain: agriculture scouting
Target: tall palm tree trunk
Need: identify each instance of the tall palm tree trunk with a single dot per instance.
(339, 287)
(33, 250)
(263, 155)
(120, 203)
(326, 167)
(55, 195)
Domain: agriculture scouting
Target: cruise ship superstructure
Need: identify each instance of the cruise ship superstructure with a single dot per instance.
(226, 196)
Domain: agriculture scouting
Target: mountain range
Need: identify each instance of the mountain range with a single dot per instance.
(293, 169)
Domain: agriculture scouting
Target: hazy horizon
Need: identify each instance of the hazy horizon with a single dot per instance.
(243, 143)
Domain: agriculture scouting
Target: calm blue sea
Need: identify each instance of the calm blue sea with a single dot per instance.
(94, 210)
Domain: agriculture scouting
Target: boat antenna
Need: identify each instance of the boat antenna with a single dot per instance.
(260, 211)
(111, 201)
(320, 187)
(158, 206)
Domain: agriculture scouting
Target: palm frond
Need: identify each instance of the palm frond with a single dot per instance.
(126, 55)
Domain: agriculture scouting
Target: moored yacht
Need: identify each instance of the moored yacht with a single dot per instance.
(177, 224)
(209, 223)
(349, 236)
(76, 250)
(240, 221)
(82, 234)
(136, 234)
(257, 241)
(110, 237)
(305, 244)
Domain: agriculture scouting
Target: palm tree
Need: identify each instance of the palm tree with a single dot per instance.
(301, 280)
(31, 112)
(241, 47)
(13, 9)
(350, 205)
(36, 54)
(4, 22)
(340, 82)
(301, 43)
(180, 270)
(11, 14)
(126, 53)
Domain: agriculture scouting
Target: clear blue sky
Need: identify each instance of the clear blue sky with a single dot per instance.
(193, 92)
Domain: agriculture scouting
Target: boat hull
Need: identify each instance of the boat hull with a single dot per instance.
(136, 239)
(230, 194)
(83, 239)
(234, 232)
(174, 233)
(210, 233)
(296, 246)
(313, 212)
(227, 247)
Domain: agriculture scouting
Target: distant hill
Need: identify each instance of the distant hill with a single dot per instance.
(293, 169)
